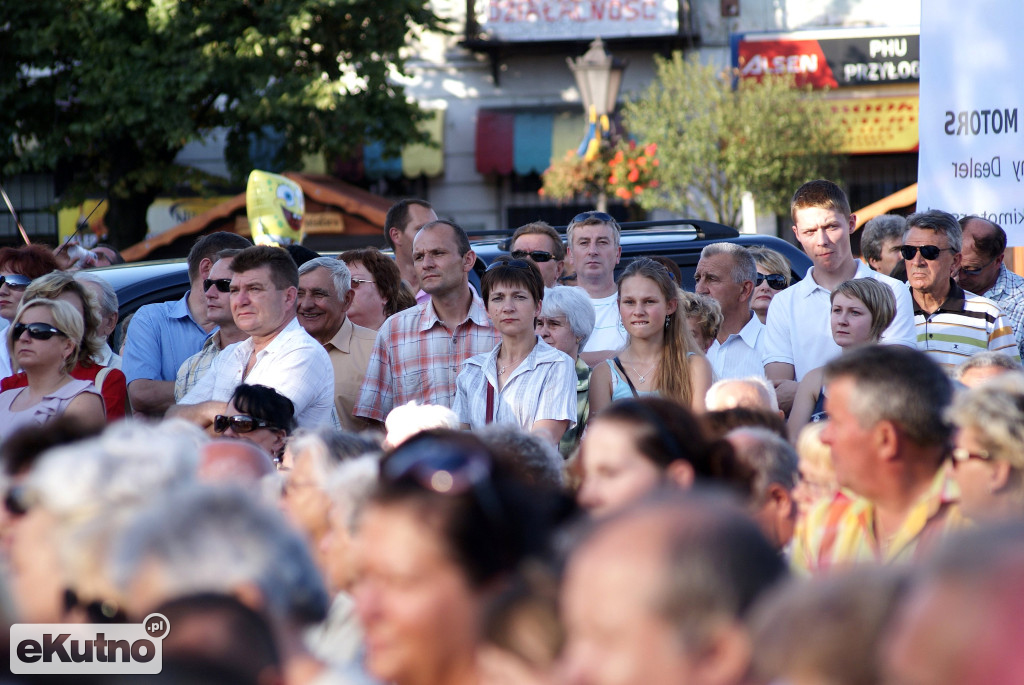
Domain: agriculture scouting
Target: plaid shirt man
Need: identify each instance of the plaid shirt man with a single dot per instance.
(1008, 293)
(417, 358)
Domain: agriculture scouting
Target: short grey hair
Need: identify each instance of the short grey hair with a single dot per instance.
(405, 421)
(987, 360)
(995, 410)
(771, 457)
(940, 222)
(574, 303)
(530, 455)
(878, 231)
(108, 300)
(328, 447)
(765, 389)
(744, 266)
(340, 274)
(350, 486)
(206, 539)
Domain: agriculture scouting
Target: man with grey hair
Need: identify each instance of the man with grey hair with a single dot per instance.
(244, 549)
(534, 459)
(880, 242)
(594, 250)
(983, 366)
(754, 392)
(659, 594)
(889, 442)
(775, 465)
(951, 323)
(983, 272)
(727, 272)
(325, 294)
(107, 298)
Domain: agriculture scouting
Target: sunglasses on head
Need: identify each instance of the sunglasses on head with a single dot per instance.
(36, 331)
(512, 263)
(98, 611)
(15, 281)
(18, 500)
(240, 423)
(961, 455)
(535, 255)
(775, 281)
(222, 284)
(929, 252)
(587, 216)
(357, 281)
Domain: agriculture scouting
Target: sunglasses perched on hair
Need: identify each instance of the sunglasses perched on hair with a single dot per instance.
(36, 331)
(775, 281)
(98, 611)
(929, 252)
(15, 281)
(240, 423)
(961, 455)
(222, 284)
(18, 500)
(535, 255)
(513, 263)
(356, 282)
(599, 216)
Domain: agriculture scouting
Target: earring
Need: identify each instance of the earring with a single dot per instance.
(668, 321)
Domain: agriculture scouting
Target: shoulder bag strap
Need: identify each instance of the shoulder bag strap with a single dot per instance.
(626, 376)
(490, 403)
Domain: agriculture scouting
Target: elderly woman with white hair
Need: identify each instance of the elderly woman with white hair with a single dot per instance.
(566, 321)
(988, 459)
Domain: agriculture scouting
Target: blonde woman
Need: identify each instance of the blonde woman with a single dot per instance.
(44, 339)
(660, 357)
(774, 274)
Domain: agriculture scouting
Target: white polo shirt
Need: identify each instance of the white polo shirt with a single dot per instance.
(799, 332)
(742, 354)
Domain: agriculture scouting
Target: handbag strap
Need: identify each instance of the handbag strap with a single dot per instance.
(490, 403)
(626, 376)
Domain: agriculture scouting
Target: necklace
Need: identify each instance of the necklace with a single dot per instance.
(510, 364)
(642, 377)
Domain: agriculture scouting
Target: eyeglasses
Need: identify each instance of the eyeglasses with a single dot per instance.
(599, 216)
(512, 263)
(357, 281)
(976, 270)
(98, 611)
(18, 500)
(929, 252)
(536, 255)
(961, 455)
(222, 284)
(240, 423)
(775, 281)
(36, 331)
(15, 281)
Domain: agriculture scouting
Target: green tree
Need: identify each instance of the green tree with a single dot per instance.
(716, 141)
(105, 93)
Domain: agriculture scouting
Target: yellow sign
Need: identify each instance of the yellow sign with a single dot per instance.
(887, 124)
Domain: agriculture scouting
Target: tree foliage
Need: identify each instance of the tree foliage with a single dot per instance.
(715, 142)
(105, 93)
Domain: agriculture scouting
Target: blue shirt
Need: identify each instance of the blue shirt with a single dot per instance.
(160, 338)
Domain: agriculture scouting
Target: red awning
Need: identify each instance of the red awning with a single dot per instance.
(495, 136)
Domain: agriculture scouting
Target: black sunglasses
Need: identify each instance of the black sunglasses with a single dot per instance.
(15, 281)
(929, 252)
(223, 284)
(18, 500)
(240, 423)
(36, 331)
(975, 271)
(775, 281)
(512, 263)
(98, 611)
(600, 216)
(536, 255)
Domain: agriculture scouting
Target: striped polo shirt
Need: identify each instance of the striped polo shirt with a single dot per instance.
(964, 325)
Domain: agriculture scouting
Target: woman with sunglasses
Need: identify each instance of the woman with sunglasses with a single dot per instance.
(862, 309)
(988, 458)
(44, 340)
(377, 284)
(523, 381)
(443, 534)
(660, 356)
(773, 276)
(19, 266)
(259, 415)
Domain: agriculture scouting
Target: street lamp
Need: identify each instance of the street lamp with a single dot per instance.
(599, 77)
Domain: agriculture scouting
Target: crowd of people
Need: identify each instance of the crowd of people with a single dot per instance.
(377, 470)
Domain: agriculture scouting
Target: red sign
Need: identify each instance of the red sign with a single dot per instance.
(802, 58)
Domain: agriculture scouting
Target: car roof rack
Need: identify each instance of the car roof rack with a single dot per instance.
(703, 230)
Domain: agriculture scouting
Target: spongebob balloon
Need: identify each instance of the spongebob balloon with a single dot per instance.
(274, 205)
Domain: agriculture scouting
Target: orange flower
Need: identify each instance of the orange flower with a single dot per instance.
(641, 161)
(634, 176)
(651, 149)
(613, 179)
(638, 189)
(624, 194)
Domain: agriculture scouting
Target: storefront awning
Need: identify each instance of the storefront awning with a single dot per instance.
(416, 160)
(525, 142)
(901, 198)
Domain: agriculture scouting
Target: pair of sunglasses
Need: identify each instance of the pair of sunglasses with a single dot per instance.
(36, 331)
(961, 455)
(929, 252)
(18, 500)
(600, 216)
(15, 281)
(222, 284)
(98, 611)
(536, 255)
(775, 281)
(240, 423)
(357, 281)
(511, 263)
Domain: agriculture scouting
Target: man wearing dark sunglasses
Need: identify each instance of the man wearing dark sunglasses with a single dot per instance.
(542, 245)
(952, 324)
(216, 288)
(982, 271)
(594, 251)
(798, 336)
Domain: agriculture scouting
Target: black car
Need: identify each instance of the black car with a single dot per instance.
(142, 283)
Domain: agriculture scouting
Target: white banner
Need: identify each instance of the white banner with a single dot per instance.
(538, 20)
(972, 111)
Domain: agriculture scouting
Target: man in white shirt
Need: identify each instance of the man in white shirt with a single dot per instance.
(798, 335)
(279, 353)
(594, 250)
(727, 272)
